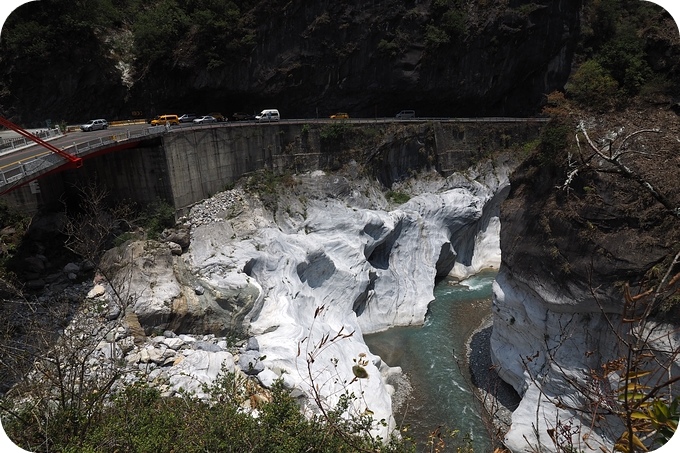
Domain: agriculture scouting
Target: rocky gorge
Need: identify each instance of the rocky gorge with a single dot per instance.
(303, 282)
(281, 276)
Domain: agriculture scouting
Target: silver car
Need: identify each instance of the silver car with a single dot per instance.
(94, 125)
(205, 119)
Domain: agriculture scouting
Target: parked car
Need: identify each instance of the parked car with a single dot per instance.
(268, 115)
(205, 119)
(242, 116)
(339, 116)
(94, 125)
(165, 119)
(406, 115)
(218, 116)
(187, 118)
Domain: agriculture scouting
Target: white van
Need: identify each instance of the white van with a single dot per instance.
(268, 115)
(406, 115)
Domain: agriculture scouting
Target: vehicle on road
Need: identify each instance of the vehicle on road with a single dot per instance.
(187, 118)
(165, 119)
(268, 115)
(242, 116)
(94, 125)
(218, 116)
(406, 115)
(205, 119)
(340, 116)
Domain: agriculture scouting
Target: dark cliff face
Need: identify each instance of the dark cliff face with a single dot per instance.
(606, 230)
(309, 58)
(328, 56)
(57, 72)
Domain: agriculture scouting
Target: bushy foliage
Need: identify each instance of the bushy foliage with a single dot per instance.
(13, 225)
(553, 139)
(624, 57)
(388, 48)
(450, 23)
(592, 85)
(397, 197)
(158, 30)
(334, 131)
(140, 420)
(613, 53)
(435, 36)
(159, 216)
(209, 32)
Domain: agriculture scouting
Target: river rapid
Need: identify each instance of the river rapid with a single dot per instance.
(433, 359)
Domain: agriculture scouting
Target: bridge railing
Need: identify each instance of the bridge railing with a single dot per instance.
(11, 144)
(80, 148)
(44, 162)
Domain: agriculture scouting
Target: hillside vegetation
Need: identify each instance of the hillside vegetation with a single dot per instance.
(106, 58)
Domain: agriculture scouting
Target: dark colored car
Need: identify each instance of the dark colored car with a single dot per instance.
(242, 116)
(218, 116)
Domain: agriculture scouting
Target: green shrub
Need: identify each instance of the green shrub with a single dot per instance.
(625, 59)
(453, 21)
(388, 48)
(593, 86)
(435, 37)
(554, 139)
(397, 197)
(140, 420)
(159, 216)
(120, 240)
(334, 131)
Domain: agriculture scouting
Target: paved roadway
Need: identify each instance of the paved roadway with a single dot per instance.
(11, 159)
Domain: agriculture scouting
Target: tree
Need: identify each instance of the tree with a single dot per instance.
(592, 86)
(72, 370)
(629, 397)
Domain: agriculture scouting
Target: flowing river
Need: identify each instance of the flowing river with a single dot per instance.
(433, 358)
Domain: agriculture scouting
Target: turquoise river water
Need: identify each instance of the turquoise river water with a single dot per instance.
(433, 358)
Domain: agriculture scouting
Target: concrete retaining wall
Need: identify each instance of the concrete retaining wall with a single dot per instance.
(191, 164)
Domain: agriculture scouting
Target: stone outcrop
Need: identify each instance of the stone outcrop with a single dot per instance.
(565, 258)
(306, 277)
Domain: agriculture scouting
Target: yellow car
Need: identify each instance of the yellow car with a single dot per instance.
(161, 120)
(339, 116)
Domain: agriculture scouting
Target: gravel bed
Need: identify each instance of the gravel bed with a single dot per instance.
(498, 398)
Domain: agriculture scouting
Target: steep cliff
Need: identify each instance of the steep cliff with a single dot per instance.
(442, 58)
(375, 58)
(568, 250)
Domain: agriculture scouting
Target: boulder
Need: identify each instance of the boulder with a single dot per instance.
(250, 362)
(71, 268)
(199, 368)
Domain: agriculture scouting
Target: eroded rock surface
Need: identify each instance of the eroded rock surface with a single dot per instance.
(566, 257)
(306, 277)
